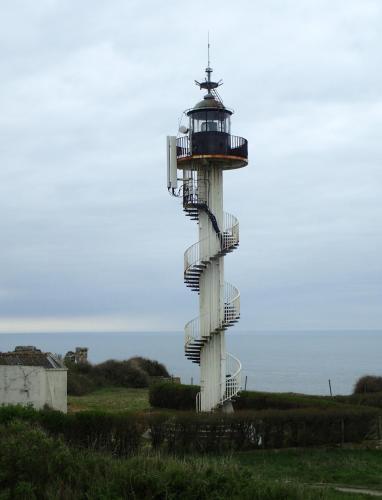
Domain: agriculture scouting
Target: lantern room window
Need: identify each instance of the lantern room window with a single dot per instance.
(210, 121)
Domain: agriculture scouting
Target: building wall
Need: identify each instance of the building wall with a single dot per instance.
(56, 389)
(33, 385)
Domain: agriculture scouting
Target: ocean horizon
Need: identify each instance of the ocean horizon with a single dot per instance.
(277, 361)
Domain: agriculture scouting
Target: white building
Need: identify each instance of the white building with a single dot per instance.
(31, 377)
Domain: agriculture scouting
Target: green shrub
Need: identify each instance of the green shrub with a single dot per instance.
(253, 400)
(173, 396)
(119, 434)
(187, 432)
(80, 384)
(35, 466)
(10, 413)
(135, 372)
(151, 367)
(214, 433)
(121, 373)
(29, 461)
(368, 383)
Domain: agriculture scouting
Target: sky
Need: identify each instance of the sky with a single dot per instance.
(90, 240)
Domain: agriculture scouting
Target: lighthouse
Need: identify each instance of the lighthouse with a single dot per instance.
(196, 161)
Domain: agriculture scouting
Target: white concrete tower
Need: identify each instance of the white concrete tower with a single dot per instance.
(204, 150)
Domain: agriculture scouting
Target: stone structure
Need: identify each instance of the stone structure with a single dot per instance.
(31, 377)
(80, 355)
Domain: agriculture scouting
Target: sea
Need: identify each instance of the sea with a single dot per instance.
(277, 361)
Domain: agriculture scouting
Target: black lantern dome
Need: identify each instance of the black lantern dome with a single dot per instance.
(209, 132)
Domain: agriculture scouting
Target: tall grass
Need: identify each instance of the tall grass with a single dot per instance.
(35, 466)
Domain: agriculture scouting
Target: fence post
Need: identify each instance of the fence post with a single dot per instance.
(245, 383)
(342, 431)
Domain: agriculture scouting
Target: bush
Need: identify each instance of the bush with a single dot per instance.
(368, 383)
(135, 372)
(80, 384)
(119, 434)
(151, 367)
(35, 466)
(373, 399)
(251, 400)
(121, 373)
(30, 460)
(215, 433)
(173, 396)
(186, 432)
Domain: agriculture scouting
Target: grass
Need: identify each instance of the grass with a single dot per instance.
(111, 400)
(37, 466)
(348, 467)
(315, 468)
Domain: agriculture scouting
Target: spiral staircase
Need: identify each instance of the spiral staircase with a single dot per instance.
(196, 260)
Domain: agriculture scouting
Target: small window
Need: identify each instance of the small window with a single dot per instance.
(210, 126)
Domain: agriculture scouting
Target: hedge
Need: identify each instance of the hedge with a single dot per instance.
(173, 396)
(119, 434)
(367, 384)
(35, 466)
(185, 432)
(182, 397)
(251, 400)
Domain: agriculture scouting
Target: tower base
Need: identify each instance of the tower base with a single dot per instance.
(227, 407)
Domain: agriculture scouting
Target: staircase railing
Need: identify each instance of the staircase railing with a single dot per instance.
(197, 258)
(198, 403)
(195, 337)
(233, 377)
(199, 253)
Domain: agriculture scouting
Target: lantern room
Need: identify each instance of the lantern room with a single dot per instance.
(209, 133)
(210, 115)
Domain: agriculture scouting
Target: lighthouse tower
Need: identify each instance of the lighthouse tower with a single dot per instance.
(196, 161)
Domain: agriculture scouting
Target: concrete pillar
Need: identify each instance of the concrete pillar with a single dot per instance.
(211, 300)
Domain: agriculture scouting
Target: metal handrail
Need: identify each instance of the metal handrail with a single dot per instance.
(231, 303)
(192, 329)
(196, 258)
(233, 381)
(183, 147)
(198, 402)
(229, 238)
(236, 146)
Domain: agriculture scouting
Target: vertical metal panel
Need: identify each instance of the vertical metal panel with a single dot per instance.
(172, 182)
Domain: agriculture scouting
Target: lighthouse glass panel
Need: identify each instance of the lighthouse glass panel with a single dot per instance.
(210, 121)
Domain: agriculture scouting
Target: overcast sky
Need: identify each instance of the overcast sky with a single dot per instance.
(90, 239)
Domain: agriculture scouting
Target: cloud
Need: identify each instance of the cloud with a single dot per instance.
(88, 93)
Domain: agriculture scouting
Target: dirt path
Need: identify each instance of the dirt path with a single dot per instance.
(364, 491)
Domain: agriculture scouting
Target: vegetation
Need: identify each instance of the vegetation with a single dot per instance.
(119, 434)
(182, 432)
(373, 399)
(368, 383)
(35, 466)
(136, 372)
(215, 433)
(254, 400)
(182, 397)
(352, 467)
(173, 396)
(111, 400)
(46, 454)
